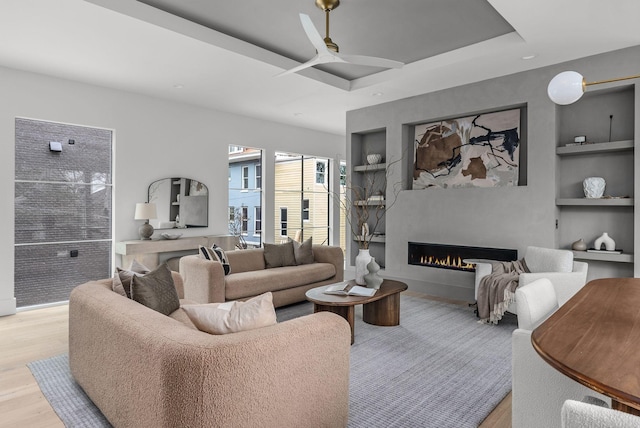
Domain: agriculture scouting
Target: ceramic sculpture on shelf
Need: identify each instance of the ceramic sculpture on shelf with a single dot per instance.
(593, 187)
(579, 245)
(374, 158)
(609, 243)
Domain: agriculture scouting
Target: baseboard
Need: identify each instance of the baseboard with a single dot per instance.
(7, 306)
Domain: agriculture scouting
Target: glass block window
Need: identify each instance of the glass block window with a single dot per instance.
(63, 209)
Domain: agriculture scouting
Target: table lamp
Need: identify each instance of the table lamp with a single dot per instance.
(145, 211)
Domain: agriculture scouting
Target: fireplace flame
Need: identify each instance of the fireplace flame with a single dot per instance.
(448, 261)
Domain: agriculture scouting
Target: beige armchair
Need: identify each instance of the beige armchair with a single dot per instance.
(566, 275)
(581, 414)
(538, 390)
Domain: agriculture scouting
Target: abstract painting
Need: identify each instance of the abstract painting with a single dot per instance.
(475, 151)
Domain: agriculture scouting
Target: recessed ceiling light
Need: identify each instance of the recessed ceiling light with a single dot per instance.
(526, 57)
(178, 86)
(377, 94)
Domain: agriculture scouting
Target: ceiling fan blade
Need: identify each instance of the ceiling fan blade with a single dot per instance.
(371, 61)
(312, 33)
(313, 61)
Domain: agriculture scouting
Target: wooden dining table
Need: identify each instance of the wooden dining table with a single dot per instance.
(594, 338)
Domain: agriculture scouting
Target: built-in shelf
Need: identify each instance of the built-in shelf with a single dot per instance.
(613, 146)
(621, 258)
(369, 203)
(368, 168)
(622, 202)
(378, 239)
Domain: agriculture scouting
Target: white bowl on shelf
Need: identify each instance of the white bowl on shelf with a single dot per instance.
(374, 158)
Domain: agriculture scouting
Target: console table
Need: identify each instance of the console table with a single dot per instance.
(148, 252)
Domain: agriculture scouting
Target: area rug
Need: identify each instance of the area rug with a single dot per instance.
(438, 368)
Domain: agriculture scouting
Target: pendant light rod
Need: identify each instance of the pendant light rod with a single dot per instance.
(612, 80)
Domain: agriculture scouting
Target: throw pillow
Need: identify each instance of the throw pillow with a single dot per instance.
(222, 257)
(156, 290)
(278, 255)
(207, 254)
(303, 252)
(232, 317)
(121, 282)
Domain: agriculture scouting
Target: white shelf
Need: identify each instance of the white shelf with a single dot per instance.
(369, 203)
(368, 168)
(621, 258)
(613, 146)
(377, 239)
(620, 202)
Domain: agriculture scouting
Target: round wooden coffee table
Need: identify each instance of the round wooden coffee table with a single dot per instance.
(383, 308)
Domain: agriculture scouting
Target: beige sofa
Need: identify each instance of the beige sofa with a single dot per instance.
(145, 369)
(205, 281)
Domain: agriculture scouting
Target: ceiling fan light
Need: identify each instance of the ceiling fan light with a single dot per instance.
(566, 88)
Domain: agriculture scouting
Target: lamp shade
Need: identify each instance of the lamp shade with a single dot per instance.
(566, 88)
(145, 211)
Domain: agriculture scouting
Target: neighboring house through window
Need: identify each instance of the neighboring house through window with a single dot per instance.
(305, 209)
(283, 221)
(245, 177)
(258, 171)
(245, 220)
(257, 220)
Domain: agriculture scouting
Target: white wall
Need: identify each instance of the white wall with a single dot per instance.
(153, 139)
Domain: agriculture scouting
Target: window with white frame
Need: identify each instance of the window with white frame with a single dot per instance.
(321, 168)
(257, 220)
(283, 221)
(305, 209)
(258, 172)
(245, 220)
(245, 177)
(235, 149)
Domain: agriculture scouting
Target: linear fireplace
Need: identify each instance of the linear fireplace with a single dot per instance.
(452, 256)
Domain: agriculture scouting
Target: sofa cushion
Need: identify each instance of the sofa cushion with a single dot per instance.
(548, 260)
(303, 252)
(222, 257)
(232, 317)
(156, 290)
(121, 282)
(215, 254)
(246, 260)
(245, 284)
(278, 255)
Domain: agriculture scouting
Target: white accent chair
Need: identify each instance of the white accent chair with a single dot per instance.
(566, 275)
(577, 414)
(538, 390)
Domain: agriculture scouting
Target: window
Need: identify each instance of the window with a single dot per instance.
(283, 221)
(258, 176)
(245, 177)
(321, 167)
(305, 209)
(343, 174)
(245, 194)
(257, 220)
(232, 214)
(297, 189)
(245, 220)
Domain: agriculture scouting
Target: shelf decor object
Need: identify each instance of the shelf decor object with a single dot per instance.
(569, 86)
(145, 211)
(374, 158)
(593, 187)
(609, 243)
(362, 260)
(373, 279)
(579, 245)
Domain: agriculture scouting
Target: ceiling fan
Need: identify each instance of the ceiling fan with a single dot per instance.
(327, 51)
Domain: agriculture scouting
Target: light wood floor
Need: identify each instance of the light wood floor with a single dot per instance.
(42, 333)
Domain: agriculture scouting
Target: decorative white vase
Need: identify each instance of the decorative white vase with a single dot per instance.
(374, 158)
(593, 187)
(372, 279)
(362, 260)
(609, 243)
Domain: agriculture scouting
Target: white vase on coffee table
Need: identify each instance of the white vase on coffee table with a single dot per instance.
(362, 260)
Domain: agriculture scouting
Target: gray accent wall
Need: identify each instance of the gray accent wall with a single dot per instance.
(504, 217)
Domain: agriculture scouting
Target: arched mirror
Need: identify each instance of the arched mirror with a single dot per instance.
(180, 202)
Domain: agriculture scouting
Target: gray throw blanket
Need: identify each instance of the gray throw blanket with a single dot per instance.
(498, 290)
